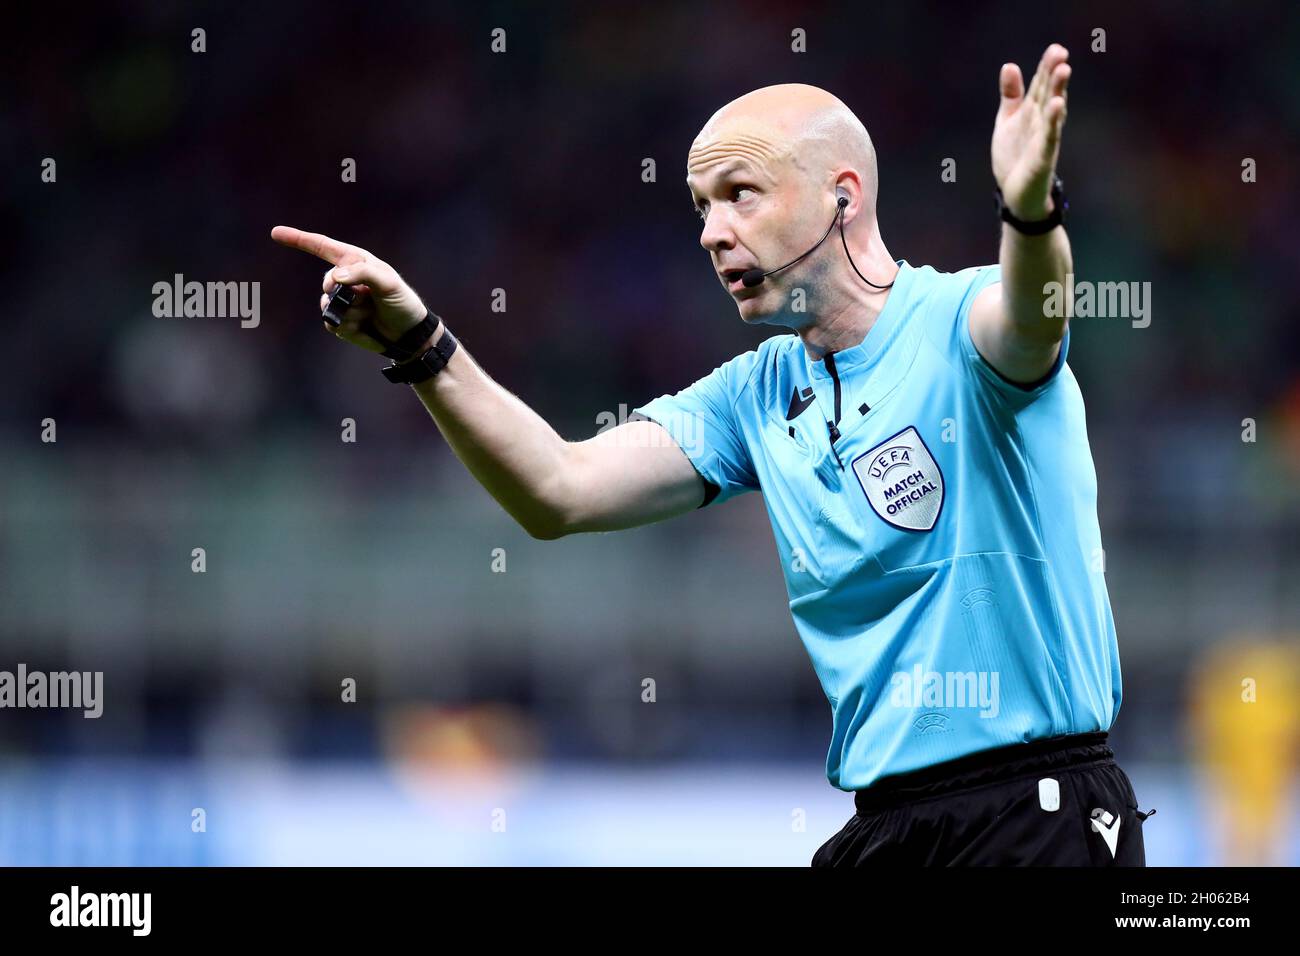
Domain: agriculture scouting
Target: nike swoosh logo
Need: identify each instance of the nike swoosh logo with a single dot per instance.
(798, 405)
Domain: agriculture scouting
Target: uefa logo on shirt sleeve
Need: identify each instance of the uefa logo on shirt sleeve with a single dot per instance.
(902, 481)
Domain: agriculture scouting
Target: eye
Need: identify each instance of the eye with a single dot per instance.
(702, 210)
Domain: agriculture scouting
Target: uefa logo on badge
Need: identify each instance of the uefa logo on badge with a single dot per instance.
(902, 481)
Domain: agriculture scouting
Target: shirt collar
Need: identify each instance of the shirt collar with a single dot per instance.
(868, 351)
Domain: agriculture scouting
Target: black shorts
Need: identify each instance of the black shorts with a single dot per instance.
(1062, 801)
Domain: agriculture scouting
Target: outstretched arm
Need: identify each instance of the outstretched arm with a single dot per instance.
(625, 476)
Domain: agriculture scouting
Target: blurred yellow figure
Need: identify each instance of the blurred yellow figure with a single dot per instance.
(1246, 723)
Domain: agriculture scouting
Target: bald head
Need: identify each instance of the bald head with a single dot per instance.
(764, 174)
(790, 128)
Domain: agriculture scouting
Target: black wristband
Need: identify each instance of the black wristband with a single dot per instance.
(1057, 217)
(433, 361)
(408, 344)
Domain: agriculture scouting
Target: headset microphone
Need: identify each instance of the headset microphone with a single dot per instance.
(754, 277)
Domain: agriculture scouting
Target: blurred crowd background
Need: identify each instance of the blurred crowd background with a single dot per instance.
(499, 715)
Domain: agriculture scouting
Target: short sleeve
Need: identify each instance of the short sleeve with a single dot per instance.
(964, 287)
(702, 420)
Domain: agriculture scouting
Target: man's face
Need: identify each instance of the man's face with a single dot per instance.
(745, 190)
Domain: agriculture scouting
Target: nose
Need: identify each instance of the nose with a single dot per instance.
(717, 234)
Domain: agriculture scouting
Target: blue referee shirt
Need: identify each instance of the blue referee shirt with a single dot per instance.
(941, 553)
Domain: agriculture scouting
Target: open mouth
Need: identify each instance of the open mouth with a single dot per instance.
(733, 279)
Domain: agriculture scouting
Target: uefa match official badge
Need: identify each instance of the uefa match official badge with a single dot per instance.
(902, 481)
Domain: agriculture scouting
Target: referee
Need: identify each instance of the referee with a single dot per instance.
(921, 448)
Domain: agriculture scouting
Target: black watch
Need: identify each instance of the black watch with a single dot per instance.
(427, 365)
(1056, 218)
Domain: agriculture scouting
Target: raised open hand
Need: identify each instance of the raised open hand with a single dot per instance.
(1027, 133)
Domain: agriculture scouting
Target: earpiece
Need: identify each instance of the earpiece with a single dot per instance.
(756, 276)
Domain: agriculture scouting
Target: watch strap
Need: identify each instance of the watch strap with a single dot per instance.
(408, 344)
(433, 361)
(1041, 226)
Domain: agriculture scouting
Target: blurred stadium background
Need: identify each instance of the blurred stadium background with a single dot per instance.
(499, 715)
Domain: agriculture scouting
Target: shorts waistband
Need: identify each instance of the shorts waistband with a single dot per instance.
(984, 767)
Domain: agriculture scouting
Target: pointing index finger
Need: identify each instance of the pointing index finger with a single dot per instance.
(312, 243)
